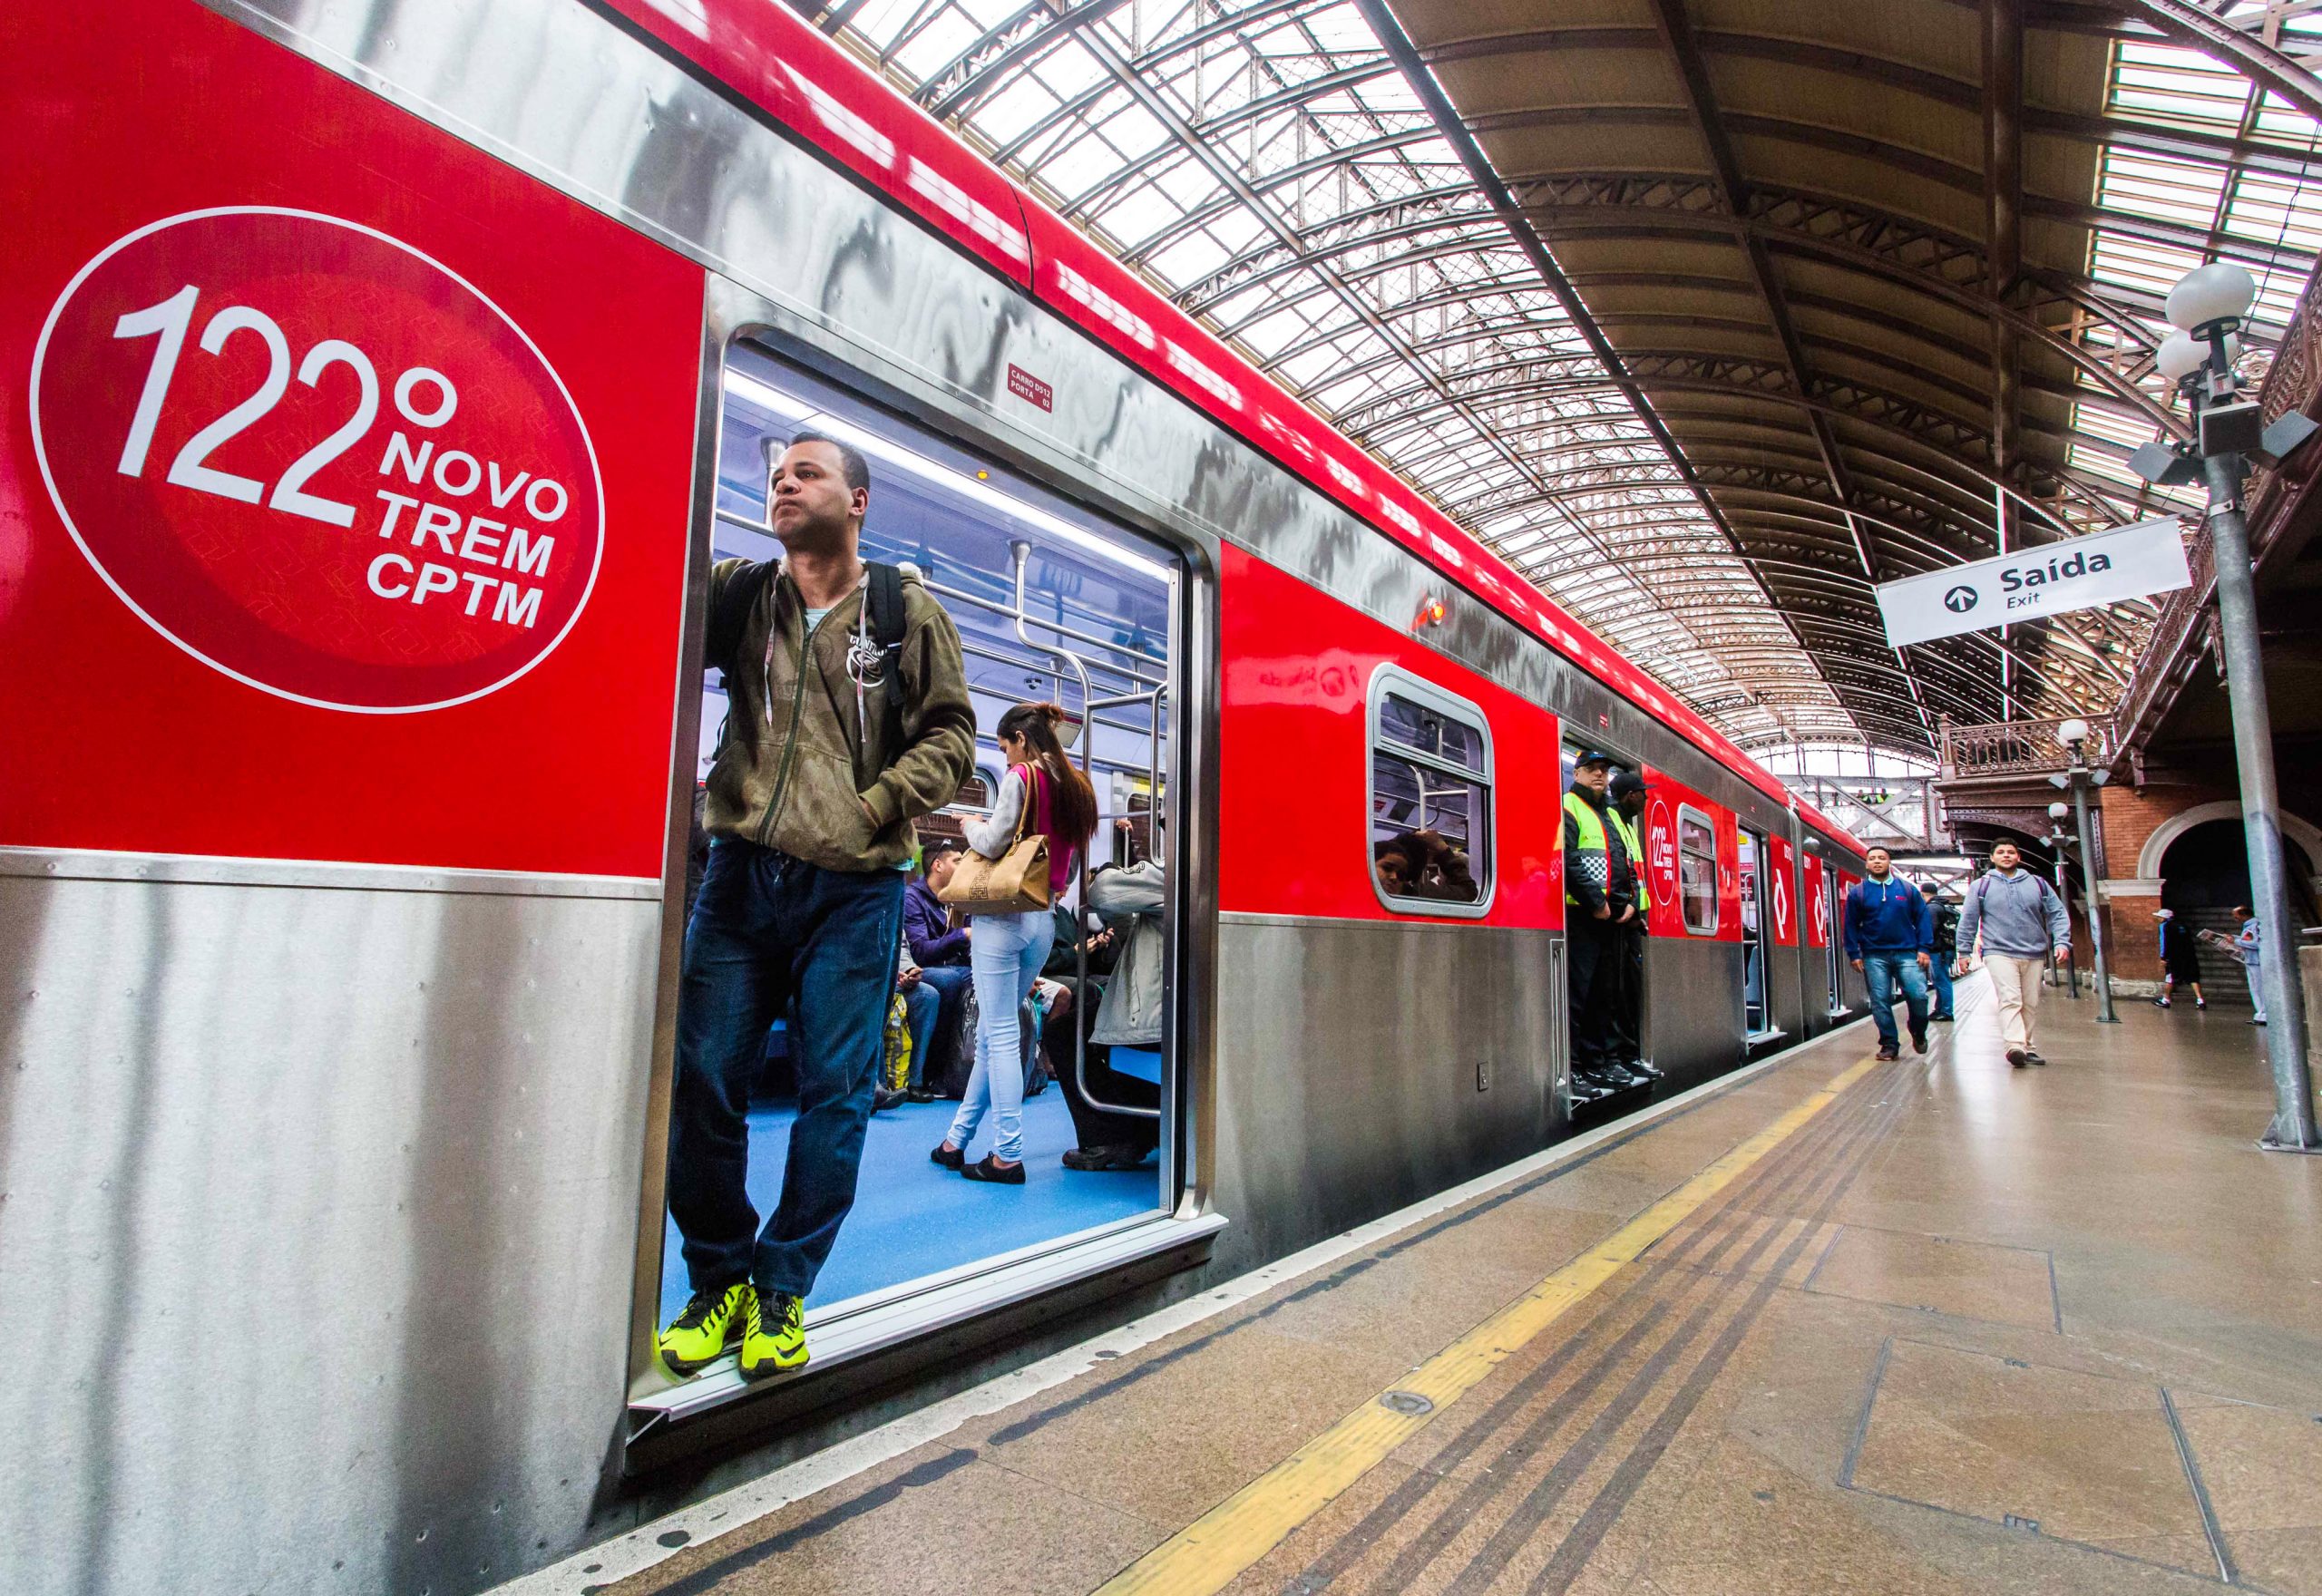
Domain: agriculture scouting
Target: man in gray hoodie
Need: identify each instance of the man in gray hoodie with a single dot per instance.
(2021, 921)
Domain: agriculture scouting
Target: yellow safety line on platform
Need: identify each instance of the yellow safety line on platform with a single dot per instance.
(1214, 1549)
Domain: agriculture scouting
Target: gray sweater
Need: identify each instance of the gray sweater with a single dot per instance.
(2019, 915)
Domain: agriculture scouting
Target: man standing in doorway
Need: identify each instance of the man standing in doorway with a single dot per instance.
(1890, 939)
(2023, 923)
(847, 718)
(1600, 888)
(1628, 791)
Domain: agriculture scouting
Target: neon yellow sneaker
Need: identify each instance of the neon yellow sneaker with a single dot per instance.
(774, 1337)
(709, 1321)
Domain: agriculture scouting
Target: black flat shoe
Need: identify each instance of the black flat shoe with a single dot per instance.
(883, 1098)
(949, 1157)
(1103, 1158)
(990, 1168)
(2018, 1057)
(920, 1094)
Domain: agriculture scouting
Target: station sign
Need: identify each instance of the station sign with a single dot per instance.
(317, 460)
(2048, 578)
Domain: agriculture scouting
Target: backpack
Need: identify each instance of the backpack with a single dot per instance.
(1983, 885)
(883, 594)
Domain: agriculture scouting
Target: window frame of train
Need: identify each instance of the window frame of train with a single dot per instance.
(1685, 899)
(1391, 681)
(1164, 1233)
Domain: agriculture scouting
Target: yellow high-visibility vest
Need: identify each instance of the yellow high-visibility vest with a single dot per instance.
(1594, 856)
(1636, 855)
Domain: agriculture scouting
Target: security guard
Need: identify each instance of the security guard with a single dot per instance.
(1629, 792)
(1600, 888)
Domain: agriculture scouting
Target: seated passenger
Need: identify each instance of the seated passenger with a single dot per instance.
(940, 954)
(1393, 868)
(1043, 790)
(1131, 1007)
(921, 1007)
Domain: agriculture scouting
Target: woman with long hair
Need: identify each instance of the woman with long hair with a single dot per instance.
(1006, 952)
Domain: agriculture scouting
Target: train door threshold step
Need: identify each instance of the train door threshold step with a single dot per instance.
(892, 1320)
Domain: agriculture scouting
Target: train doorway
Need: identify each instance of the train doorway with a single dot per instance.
(1757, 1006)
(1834, 945)
(1052, 605)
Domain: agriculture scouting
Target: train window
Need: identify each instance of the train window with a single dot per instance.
(1697, 871)
(1429, 798)
(1050, 604)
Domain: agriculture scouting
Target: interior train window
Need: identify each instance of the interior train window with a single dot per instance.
(1697, 871)
(1431, 797)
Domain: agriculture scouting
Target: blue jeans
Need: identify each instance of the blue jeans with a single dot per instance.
(1882, 973)
(769, 932)
(921, 1004)
(1939, 974)
(1006, 955)
(950, 983)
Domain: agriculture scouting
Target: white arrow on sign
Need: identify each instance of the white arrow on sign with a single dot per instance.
(2050, 578)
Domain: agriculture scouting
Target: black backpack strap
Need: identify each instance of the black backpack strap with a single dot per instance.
(885, 598)
(731, 617)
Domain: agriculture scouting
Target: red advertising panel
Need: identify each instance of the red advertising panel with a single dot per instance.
(1818, 905)
(1293, 738)
(336, 528)
(1781, 892)
(1847, 884)
(1692, 857)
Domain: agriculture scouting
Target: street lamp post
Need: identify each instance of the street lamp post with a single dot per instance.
(2056, 812)
(2074, 734)
(2208, 304)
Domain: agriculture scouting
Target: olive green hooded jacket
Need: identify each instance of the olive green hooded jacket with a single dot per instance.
(796, 769)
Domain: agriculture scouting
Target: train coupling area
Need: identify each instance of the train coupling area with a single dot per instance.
(1929, 1325)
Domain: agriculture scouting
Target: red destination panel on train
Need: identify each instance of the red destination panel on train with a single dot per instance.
(1781, 892)
(347, 534)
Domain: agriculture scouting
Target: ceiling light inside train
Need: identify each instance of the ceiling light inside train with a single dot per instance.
(748, 389)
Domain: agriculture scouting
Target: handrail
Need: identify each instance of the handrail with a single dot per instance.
(1021, 551)
(734, 518)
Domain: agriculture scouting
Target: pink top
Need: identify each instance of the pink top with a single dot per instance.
(1063, 855)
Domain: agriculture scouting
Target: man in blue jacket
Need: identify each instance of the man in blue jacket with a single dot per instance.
(1890, 939)
(940, 952)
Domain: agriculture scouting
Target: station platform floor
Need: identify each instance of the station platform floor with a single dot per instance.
(1933, 1326)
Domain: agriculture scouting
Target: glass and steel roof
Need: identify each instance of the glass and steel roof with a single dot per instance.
(1764, 208)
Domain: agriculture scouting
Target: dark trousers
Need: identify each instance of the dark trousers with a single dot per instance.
(768, 931)
(1592, 949)
(1095, 1126)
(950, 984)
(1625, 1004)
(1939, 980)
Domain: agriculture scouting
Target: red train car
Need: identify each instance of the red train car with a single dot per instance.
(384, 379)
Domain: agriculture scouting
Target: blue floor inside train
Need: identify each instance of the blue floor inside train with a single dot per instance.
(912, 1218)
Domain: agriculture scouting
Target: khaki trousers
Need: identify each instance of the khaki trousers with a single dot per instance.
(2015, 982)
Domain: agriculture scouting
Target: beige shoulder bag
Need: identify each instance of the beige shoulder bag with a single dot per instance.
(1018, 880)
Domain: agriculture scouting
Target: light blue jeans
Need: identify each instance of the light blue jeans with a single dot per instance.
(1006, 953)
(1882, 973)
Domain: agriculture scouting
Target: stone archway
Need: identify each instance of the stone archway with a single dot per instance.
(2156, 846)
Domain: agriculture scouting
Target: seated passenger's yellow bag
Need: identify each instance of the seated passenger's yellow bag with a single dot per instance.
(1017, 882)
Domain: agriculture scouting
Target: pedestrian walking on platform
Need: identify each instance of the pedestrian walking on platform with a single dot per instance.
(1890, 939)
(1946, 950)
(2022, 924)
(2181, 962)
